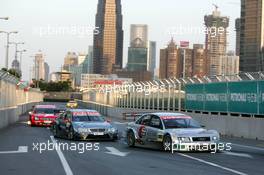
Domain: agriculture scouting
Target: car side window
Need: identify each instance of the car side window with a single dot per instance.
(146, 120)
(155, 122)
(139, 120)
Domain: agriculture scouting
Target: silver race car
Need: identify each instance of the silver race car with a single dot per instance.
(83, 124)
(171, 131)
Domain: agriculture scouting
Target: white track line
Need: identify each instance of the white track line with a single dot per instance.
(213, 164)
(237, 154)
(249, 147)
(21, 149)
(63, 160)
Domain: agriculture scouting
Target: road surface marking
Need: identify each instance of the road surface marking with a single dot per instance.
(116, 152)
(237, 154)
(63, 160)
(213, 164)
(250, 147)
(21, 149)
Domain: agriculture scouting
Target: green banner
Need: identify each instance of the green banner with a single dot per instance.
(216, 97)
(194, 99)
(245, 97)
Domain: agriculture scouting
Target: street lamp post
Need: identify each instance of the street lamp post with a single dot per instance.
(20, 59)
(7, 44)
(16, 46)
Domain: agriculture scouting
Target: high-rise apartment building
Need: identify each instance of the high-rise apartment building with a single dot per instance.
(199, 60)
(108, 40)
(216, 41)
(252, 36)
(71, 59)
(186, 57)
(170, 62)
(39, 68)
(230, 64)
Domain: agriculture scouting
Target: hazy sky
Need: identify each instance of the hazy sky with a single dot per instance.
(59, 26)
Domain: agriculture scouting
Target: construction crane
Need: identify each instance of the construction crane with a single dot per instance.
(216, 6)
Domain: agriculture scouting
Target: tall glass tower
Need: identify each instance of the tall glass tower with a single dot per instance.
(108, 40)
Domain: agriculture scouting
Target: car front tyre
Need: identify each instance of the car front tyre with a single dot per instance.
(131, 139)
(71, 134)
(167, 143)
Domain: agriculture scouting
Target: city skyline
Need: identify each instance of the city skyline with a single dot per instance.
(56, 46)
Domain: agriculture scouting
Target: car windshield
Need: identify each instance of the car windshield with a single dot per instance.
(171, 123)
(44, 111)
(87, 117)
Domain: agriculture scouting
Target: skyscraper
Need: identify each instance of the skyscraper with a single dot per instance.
(108, 41)
(186, 59)
(152, 56)
(215, 41)
(39, 68)
(231, 64)
(88, 62)
(238, 32)
(139, 31)
(138, 50)
(199, 60)
(252, 36)
(47, 70)
(16, 65)
(170, 62)
(71, 59)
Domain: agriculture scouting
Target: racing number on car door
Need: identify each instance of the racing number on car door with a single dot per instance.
(143, 127)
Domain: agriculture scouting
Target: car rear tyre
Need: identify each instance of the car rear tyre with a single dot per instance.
(71, 135)
(167, 143)
(130, 139)
(55, 131)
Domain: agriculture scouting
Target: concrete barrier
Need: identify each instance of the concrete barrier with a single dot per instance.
(251, 128)
(11, 115)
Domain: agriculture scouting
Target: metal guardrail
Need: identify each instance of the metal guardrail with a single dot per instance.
(8, 77)
(13, 92)
(172, 98)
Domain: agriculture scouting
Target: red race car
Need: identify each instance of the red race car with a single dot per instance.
(43, 115)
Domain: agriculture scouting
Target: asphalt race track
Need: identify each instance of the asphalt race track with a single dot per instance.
(20, 154)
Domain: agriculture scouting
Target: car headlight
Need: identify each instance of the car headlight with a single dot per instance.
(36, 118)
(184, 139)
(215, 138)
(112, 130)
(82, 130)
